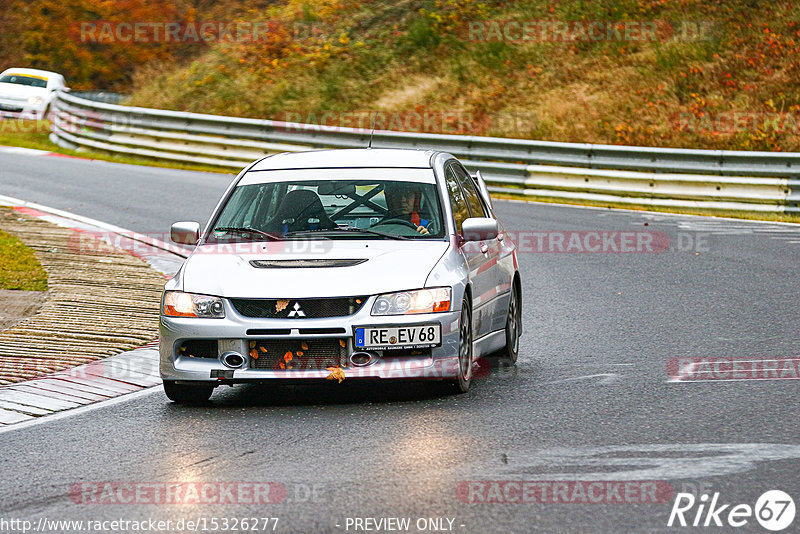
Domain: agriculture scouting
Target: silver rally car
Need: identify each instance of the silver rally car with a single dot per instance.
(341, 265)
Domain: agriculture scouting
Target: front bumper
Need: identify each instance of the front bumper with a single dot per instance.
(21, 109)
(232, 335)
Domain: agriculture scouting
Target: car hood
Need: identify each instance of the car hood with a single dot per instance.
(389, 266)
(16, 90)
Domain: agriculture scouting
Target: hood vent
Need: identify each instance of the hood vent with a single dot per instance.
(304, 264)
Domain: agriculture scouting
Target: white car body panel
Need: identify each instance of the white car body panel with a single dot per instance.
(391, 266)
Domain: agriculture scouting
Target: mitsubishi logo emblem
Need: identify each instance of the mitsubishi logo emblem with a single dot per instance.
(297, 312)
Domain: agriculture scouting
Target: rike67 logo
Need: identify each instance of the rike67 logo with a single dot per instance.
(774, 510)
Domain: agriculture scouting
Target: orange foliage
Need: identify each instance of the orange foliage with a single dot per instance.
(49, 36)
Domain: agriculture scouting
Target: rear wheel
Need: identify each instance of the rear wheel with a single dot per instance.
(464, 380)
(187, 393)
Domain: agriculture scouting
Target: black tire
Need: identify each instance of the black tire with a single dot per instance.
(513, 327)
(187, 393)
(465, 366)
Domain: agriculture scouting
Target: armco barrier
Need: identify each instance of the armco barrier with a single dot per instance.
(637, 176)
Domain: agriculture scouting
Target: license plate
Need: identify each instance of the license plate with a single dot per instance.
(420, 336)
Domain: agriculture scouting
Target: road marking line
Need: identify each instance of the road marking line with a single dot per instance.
(156, 243)
(23, 151)
(81, 410)
(36, 152)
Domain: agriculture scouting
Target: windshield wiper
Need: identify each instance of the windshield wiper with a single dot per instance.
(351, 229)
(247, 230)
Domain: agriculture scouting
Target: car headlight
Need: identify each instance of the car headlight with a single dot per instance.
(35, 100)
(432, 300)
(180, 304)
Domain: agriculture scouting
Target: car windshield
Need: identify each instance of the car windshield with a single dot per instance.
(23, 80)
(331, 209)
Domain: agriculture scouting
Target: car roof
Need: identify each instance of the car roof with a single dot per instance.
(348, 158)
(37, 72)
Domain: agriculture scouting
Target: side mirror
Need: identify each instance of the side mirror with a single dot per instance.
(479, 229)
(185, 233)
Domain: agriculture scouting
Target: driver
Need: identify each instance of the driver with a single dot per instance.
(402, 201)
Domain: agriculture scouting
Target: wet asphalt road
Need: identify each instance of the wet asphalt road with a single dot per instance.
(590, 399)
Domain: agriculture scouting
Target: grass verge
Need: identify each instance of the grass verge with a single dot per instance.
(19, 268)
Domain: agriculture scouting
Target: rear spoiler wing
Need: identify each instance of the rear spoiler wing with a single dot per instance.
(483, 189)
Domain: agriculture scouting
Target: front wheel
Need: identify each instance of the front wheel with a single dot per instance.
(187, 393)
(464, 380)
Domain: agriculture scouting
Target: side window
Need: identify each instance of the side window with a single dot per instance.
(471, 194)
(240, 208)
(457, 201)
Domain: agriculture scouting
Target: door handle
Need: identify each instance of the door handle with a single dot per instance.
(484, 248)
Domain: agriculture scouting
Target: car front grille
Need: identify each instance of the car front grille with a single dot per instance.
(298, 308)
(199, 348)
(298, 354)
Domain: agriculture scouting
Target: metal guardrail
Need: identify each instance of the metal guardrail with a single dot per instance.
(637, 176)
(100, 96)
